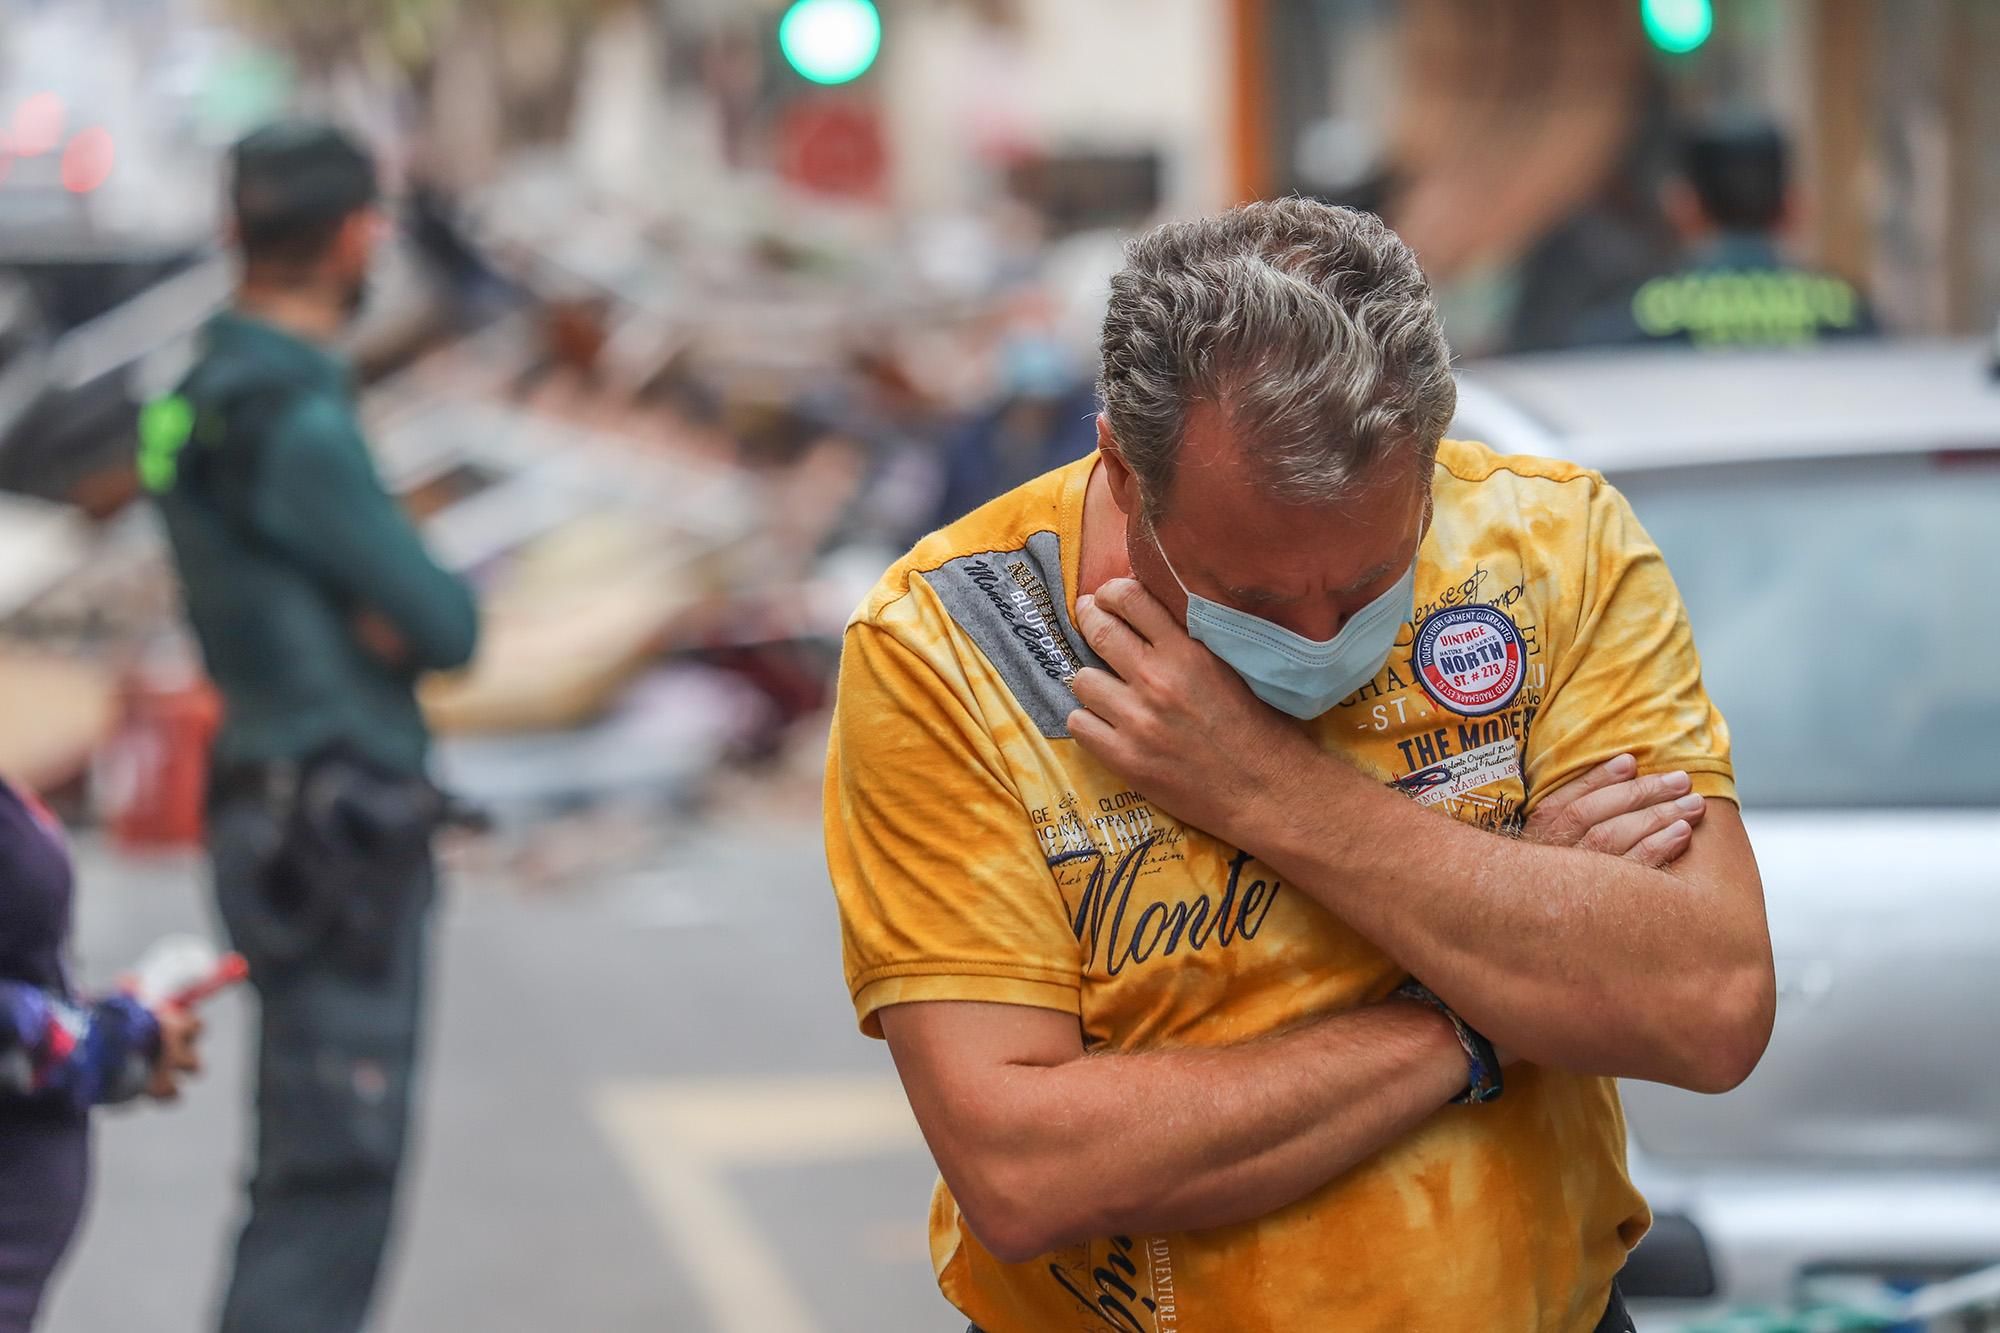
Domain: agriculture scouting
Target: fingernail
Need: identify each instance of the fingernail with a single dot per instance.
(1676, 781)
(1690, 803)
(1679, 828)
(1623, 763)
(1085, 603)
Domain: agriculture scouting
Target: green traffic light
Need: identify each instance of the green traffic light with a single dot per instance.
(831, 41)
(1678, 26)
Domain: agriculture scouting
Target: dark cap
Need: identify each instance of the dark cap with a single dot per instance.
(297, 174)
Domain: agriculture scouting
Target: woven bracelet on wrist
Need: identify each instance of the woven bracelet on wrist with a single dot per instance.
(1483, 1082)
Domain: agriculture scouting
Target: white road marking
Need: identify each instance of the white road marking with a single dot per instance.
(680, 1138)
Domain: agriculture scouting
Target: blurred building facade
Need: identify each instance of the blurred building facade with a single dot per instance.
(1483, 131)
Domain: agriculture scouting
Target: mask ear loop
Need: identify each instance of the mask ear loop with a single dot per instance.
(1153, 536)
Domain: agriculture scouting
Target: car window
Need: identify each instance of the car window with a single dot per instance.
(1847, 619)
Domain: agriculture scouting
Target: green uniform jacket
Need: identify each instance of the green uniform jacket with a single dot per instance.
(284, 534)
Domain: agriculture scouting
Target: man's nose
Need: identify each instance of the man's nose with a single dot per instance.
(1318, 623)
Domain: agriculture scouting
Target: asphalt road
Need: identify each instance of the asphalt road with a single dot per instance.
(648, 1109)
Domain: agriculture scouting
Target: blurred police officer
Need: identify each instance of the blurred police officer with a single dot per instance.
(1730, 204)
(318, 609)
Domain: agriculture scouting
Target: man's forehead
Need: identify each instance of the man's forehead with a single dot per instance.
(1209, 448)
(1216, 481)
(1214, 457)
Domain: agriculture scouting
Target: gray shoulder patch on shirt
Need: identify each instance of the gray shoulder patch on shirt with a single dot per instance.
(1013, 606)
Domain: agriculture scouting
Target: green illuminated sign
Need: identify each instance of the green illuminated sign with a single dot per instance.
(164, 427)
(831, 41)
(1758, 307)
(1678, 26)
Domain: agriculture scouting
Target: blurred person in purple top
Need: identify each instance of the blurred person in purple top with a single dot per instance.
(59, 1056)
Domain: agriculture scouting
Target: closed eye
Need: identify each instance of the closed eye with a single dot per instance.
(1261, 597)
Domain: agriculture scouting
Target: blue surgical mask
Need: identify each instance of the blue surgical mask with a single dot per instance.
(1301, 676)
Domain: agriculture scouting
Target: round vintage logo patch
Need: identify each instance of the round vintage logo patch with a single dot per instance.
(1470, 660)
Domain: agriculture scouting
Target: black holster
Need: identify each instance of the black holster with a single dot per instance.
(348, 860)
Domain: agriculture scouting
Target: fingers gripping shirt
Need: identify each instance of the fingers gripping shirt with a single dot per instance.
(977, 853)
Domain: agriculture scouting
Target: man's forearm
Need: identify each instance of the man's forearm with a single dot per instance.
(1182, 1140)
(1568, 957)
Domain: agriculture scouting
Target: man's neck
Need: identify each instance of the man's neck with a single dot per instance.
(304, 314)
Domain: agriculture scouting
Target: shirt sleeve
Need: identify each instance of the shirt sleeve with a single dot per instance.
(86, 1055)
(1628, 680)
(319, 499)
(943, 890)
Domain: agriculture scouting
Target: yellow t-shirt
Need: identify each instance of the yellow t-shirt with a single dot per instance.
(979, 854)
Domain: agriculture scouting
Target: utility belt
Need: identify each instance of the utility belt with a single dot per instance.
(349, 852)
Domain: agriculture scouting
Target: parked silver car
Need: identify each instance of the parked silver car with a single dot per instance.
(1833, 520)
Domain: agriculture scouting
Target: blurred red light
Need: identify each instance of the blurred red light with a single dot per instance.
(86, 162)
(38, 124)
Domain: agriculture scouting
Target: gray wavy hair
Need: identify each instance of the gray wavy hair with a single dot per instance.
(1310, 327)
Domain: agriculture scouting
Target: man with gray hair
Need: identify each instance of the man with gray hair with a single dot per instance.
(1263, 842)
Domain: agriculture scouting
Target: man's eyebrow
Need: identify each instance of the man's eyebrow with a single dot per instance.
(1381, 571)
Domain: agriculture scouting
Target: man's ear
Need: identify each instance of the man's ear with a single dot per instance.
(1683, 210)
(354, 244)
(1790, 213)
(1124, 485)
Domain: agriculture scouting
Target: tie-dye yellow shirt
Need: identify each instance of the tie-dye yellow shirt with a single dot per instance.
(979, 854)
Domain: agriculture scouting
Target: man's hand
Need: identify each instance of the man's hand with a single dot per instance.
(180, 1032)
(1611, 809)
(1176, 721)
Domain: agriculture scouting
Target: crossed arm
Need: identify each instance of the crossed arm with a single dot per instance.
(1044, 1146)
(320, 500)
(1590, 963)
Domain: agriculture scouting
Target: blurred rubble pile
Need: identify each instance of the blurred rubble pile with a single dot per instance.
(672, 453)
